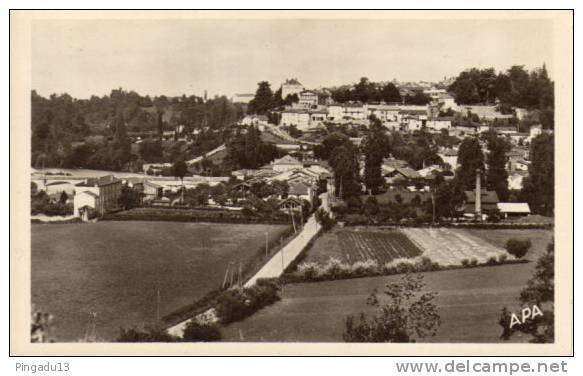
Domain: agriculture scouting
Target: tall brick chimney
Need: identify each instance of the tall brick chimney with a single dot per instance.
(478, 195)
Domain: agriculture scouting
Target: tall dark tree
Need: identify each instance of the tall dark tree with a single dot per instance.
(344, 162)
(375, 148)
(389, 93)
(263, 99)
(333, 140)
(470, 159)
(539, 186)
(496, 175)
(247, 150)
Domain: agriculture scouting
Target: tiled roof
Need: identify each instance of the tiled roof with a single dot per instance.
(487, 197)
(298, 189)
(286, 160)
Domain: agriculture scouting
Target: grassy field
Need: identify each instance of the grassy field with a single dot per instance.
(116, 268)
(469, 301)
(361, 244)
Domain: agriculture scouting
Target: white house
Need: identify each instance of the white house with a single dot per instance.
(515, 180)
(439, 123)
(308, 99)
(449, 156)
(290, 87)
(335, 112)
(257, 120)
(85, 201)
(297, 117)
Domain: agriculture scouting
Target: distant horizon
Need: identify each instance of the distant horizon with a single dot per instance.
(225, 57)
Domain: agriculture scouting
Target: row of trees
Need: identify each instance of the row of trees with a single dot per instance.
(368, 91)
(516, 87)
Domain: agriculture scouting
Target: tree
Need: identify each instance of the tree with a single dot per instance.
(63, 198)
(344, 162)
(448, 197)
(496, 174)
(129, 198)
(539, 186)
(418, 98)
(539, 292)
(249, 151)
(333, 140)
(470, 159)
(179, 170)
(517, 247)
(160, 124)
(407, 316)
(390, 93)
(375, 148)
(263, 99)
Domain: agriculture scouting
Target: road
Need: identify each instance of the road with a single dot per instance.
(278, 263)
(282, 259)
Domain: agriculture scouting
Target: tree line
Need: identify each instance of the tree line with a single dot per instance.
(96, 132)
(516, 87)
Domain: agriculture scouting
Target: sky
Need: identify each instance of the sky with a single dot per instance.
(224, 57)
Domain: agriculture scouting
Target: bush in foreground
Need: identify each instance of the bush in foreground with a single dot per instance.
(149, 334)
(201, 332)
(408, 315)
(518, 248)
(240, 302)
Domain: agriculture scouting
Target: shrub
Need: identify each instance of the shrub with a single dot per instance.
(465, 263)
(426, 265)
(473, 262)
(325, 220)
(502, 258)
(492, 260)
(335, 268)
(355, 219)
(149, 334)
(365, 268)
(201, 332)
(238, 303)
(309, 270)
(518, 248)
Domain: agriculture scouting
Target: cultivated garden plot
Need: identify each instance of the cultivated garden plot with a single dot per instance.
(362, 244)
(447, 246)
(380, 246)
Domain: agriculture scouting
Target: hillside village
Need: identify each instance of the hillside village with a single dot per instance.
(362, 180)
(295, 132)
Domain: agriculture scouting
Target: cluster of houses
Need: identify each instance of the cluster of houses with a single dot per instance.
(302, 177)
(312, 111)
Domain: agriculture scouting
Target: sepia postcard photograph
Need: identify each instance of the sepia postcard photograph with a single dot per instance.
(291, 182)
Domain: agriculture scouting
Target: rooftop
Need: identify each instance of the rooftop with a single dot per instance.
(101, 181)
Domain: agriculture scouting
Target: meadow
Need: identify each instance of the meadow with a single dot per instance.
(469, 300)
(117, 270)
